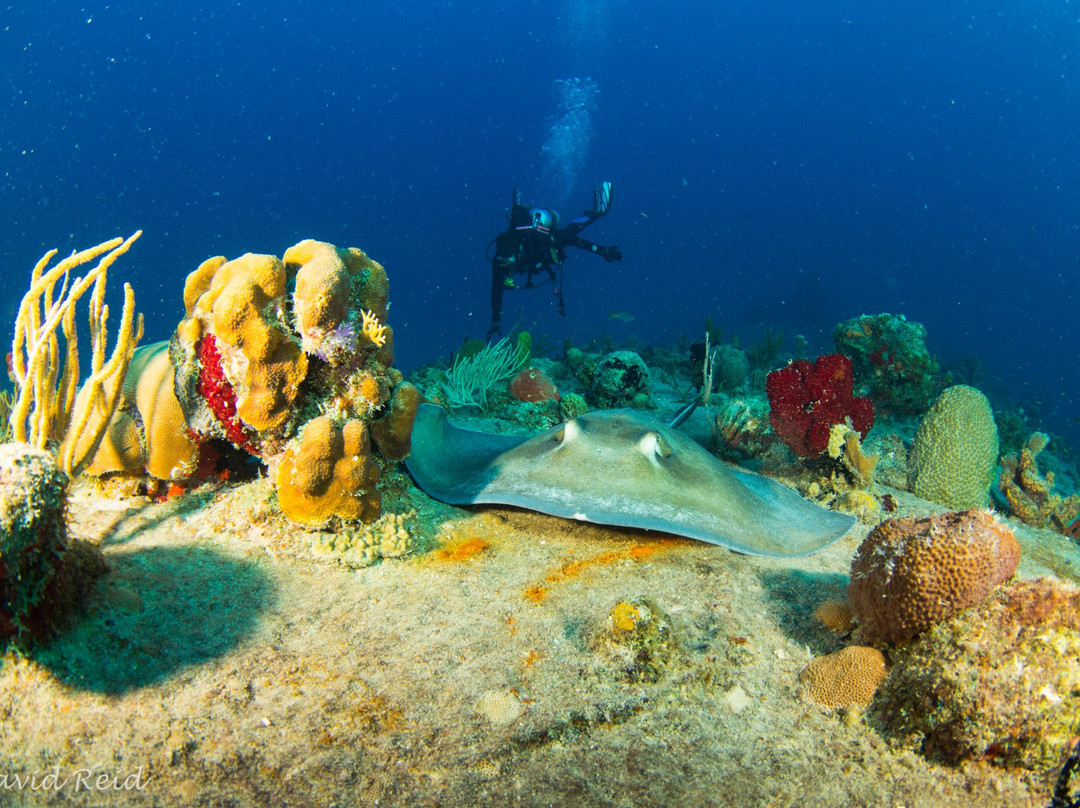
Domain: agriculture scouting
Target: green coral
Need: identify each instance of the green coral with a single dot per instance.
(571, 405)
(1000, 682)
(33, 537)
(955, 450)
(891, 364)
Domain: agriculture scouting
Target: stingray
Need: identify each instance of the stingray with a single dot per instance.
(617, 467)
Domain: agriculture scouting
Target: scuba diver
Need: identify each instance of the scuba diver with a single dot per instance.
(535, 244)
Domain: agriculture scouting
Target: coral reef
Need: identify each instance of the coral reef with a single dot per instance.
(909, 574)
(955, 450)
(328, 472)
(849, 676)
(33, 538)
(845, 446)
(891, 363)
(808, 398)
(472, 375)
(620, 379)
(741, 429)
(835, 615)
(1031, 495)
(393, 432)
(572, 405)
(288, 359)
(999, 683)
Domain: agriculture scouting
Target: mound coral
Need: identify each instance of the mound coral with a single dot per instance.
(621, 379)
(1030, 494)
(955, 450)
(891, 363)
(910, 574)
(328, 472)
(808, 398)
(33, 537)
(1001, 683)
(848, 676)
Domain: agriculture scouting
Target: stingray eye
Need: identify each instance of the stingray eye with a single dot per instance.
(568, 432)
(652, 445)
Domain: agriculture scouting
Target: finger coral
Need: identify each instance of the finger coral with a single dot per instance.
(328, 472)
(808, 398)
(909, 574)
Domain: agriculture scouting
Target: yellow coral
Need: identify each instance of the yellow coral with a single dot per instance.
(388, 537)
(328, 472)
(373, 329)
(1030, 494)
(848, 676)
(393, 432)
(624, 616)
(240, 304)
(955, 450)
(835, 615)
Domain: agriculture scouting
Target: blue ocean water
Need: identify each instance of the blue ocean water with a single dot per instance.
(776, 164)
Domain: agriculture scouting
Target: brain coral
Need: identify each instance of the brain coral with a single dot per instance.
(848, 676)
(1002, 683)
(956, 450)
(909, 574)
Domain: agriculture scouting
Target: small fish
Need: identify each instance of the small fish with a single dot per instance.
(621, 316)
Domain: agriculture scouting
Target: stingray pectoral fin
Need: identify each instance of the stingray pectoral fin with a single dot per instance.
(451, 464)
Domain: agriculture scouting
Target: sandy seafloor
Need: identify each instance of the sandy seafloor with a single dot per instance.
(220, 663)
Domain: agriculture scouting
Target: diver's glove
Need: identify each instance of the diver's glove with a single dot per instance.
(612, 253)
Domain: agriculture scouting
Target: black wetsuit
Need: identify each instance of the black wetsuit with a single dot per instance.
(528, 250)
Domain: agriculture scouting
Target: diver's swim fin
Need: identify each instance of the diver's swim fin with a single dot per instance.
(602, 198)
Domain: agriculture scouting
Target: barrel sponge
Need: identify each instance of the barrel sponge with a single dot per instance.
(848, 676)
(956, 450)
(911, 574)
(328, 472)
(33, 535)
(323, 288)
(393, 432)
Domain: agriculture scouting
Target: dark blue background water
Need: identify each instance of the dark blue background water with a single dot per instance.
(783, 164)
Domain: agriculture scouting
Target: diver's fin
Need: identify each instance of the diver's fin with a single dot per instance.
(684, 413)
(602, 198)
